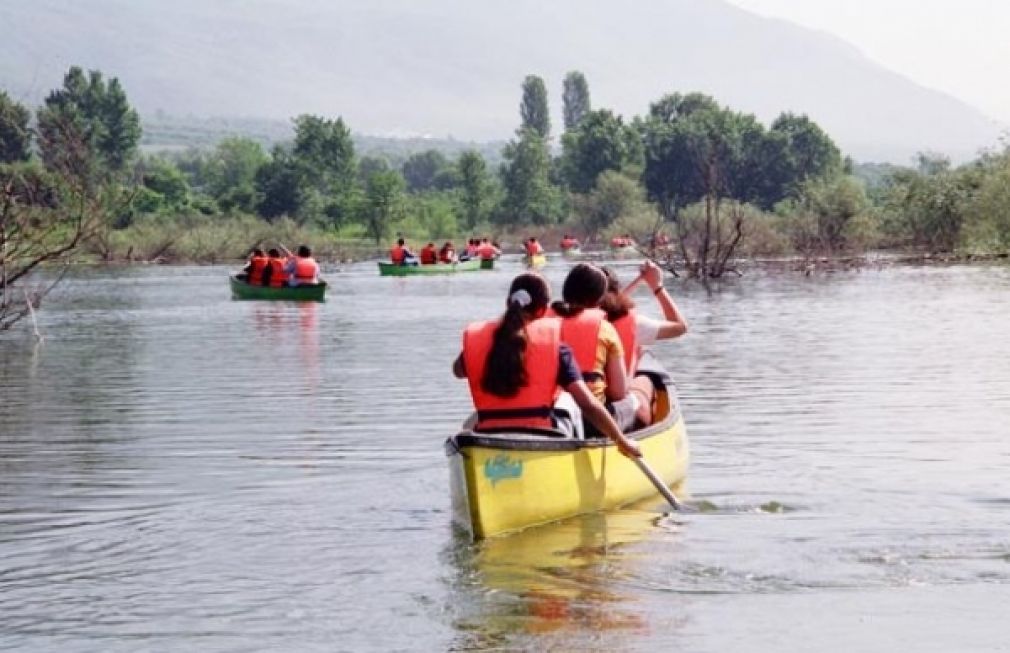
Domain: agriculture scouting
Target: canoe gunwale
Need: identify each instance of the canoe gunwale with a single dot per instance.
(524, 441)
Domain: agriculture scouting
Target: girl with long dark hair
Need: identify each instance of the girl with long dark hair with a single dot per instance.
(517, 365)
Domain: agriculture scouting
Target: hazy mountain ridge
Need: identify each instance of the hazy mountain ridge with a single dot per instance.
(454, 67)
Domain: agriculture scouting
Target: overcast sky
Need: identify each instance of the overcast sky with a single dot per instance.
(961, 47)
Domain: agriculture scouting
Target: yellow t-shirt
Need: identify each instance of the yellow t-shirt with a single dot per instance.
(607, 344)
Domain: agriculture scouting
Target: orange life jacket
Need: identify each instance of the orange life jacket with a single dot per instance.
(428, 256)
(306, 269)
(397, 253)
(256, 267)
(486, 251)
(278, 277)
(532, 406)
(626, 329)
(534, 248)
(582, 333)
(568, 243)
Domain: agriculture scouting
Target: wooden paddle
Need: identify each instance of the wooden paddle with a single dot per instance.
(658, 482)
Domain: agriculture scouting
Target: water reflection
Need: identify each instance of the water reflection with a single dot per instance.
(547, 583)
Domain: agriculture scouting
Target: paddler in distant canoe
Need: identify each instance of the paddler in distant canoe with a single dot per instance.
(301, 268)
(486, 251)
(516, 367)
(252, 272)
(400, 254)
(447, 254)
(274, 274)
(532, 247)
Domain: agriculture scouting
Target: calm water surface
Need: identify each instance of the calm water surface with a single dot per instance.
(180, 471)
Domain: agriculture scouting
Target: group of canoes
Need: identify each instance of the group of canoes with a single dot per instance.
(528, 456)
(558, 389)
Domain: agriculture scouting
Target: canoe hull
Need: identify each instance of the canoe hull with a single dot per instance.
(506, 482)
(535, 261)
(394, 270)
(304, 293)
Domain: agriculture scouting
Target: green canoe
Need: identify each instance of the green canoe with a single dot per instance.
(394, 270)
(305, 293)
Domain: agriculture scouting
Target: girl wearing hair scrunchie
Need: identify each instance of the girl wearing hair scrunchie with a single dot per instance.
(516, 367)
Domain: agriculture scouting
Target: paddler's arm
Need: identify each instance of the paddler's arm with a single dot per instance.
(675, 325)
(598, 416)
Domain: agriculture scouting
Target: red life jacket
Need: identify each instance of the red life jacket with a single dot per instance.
(626, 329)
(428, 256)
(446, 255)
(582, 333)
(306, 269)
(256, 267)
(532, 406)
(568, 243)
(397, 254)
(278, 277)
(534, 248)
(486, 251)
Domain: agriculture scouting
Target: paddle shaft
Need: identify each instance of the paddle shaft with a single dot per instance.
(658, 482)
(634, 282)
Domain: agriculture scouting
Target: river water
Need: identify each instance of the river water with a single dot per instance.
(181, 471)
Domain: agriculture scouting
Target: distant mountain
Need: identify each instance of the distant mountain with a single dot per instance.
(454, 67)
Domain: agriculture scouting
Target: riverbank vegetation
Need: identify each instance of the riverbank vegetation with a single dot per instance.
(699, 184)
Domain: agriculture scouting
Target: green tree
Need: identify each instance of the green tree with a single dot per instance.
(696, 150)
(46, 214)
(530, 197)
(163, 189)
(474, 188)
(230, 173)
(987, 219)
(809, 154)
(382, 204)
(15, 134)
(613, 197)
(828, 209)
(325, 151)
(600, 142)
(575, 99)
(120, 133)
(279, 185)
(369, 165)
(533, 109)
(88, 125)
(928, 210)
(421, 170)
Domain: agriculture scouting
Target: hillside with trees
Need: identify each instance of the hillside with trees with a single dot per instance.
(697, 183)
(390, 69)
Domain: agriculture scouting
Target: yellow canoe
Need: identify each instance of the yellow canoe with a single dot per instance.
(503, 482)
(535, 261)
